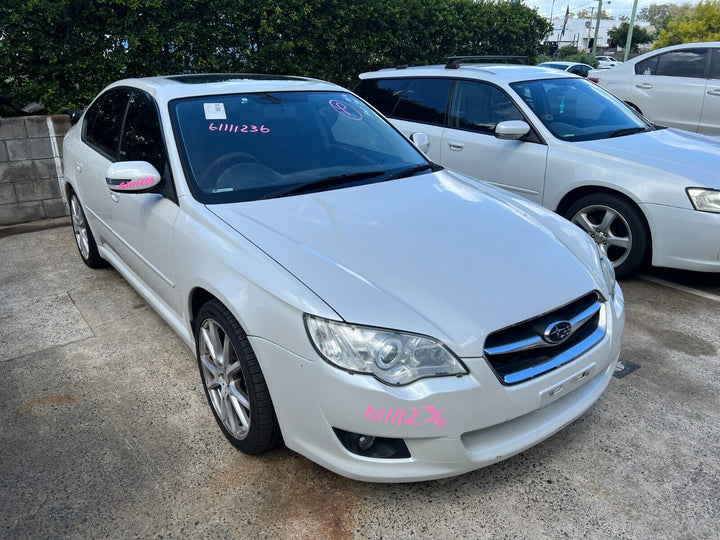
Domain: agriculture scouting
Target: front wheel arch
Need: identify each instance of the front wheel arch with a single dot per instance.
(628, 213)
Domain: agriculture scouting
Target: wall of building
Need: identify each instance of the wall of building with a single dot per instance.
(31, 168)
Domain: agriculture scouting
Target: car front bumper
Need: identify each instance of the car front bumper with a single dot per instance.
(684, 238)
(462, 423)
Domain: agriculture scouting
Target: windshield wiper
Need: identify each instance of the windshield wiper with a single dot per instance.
(410, 171)
(322, 184)
(626, 131)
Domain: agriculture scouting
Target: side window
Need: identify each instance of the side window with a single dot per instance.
(479, 107)
(104, 132)
(142, 138)
(381, 93)
(424, 100)
(579, 70)
(715, 64)
(647, 67)
(684, 63)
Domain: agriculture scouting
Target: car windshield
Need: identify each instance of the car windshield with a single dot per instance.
(244, 147)
(578, 110)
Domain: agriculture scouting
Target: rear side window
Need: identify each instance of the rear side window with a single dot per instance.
(715, 65)
(424, 100)
(103, 124)
(381, 93)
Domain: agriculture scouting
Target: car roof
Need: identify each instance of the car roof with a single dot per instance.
(166, 88)
(506, 73)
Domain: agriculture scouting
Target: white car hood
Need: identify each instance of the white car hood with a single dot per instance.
(434, 254)
(671, 151)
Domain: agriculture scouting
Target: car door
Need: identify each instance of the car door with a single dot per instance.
(669, 88)
(710, 118)
(469, 144)
(142, 223)
(101, 134)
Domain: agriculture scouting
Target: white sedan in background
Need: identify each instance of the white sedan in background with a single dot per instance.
(643, 193)
(676, 86)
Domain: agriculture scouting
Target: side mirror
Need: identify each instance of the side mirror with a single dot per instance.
(512, 129)
(421, 140)
(131, 176)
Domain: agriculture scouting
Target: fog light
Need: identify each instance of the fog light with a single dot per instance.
(371, 446)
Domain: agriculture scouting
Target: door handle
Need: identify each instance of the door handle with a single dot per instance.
(457, 146)
(714, 92)
(644, 86)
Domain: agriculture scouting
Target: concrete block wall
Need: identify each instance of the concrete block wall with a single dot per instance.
(31, 168)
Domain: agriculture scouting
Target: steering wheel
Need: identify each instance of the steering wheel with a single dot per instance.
(223, 163)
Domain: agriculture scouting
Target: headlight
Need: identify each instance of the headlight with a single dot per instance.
(608, 272)
(393, 357)
(705, 200)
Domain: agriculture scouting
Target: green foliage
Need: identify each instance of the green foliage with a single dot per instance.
(660, 15)
(62, 52)
(699, 23)
(618, 36)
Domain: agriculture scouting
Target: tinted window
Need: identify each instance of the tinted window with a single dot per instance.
(104, 133)
(579, 70)
(424, 100)
(479, 107)
(684, 63)
(142, 138)
(647, 67)
(382, 93)
(715, 65)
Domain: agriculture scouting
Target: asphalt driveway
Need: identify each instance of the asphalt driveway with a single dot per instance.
(106, 432)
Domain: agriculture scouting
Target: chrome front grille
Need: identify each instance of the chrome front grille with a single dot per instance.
(539, 345)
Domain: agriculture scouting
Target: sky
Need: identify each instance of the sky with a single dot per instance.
(615, 8)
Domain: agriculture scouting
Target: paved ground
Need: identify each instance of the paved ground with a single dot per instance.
(106, 433)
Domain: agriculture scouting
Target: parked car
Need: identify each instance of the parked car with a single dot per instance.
(607, 62)
(676, 86)
(386, 318)
(643, 193)
(575, 68)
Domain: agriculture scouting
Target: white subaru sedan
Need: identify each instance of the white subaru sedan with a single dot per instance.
(386, 318)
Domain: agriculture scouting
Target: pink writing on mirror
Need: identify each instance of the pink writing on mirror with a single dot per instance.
(238, 128)
(140, 182)
(398, 416)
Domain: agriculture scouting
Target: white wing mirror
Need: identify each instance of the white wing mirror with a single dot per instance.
(421, 140)
(512, 129)
(131, 176)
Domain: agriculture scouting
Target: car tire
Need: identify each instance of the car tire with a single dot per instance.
(618, 227)
(84, 238)
(233, 381)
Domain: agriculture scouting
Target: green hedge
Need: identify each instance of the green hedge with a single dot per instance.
(62, 52)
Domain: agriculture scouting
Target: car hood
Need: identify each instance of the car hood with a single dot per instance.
(669, 151)
(436, 254)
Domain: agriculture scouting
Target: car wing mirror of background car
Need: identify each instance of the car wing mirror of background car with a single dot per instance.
(421, 140)
(512, 129)
(132, 176)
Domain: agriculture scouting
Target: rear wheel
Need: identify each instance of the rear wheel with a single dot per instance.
(83, 235)
(617, 226)
(234, 383)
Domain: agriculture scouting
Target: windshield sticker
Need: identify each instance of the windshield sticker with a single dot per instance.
(214, 111)
(397, 416)
(238, 128)
(345, 109)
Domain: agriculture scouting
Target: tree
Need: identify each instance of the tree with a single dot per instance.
(701, 23)
(587, 14)
(618, 36)
(659, 15)
(62, 52)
